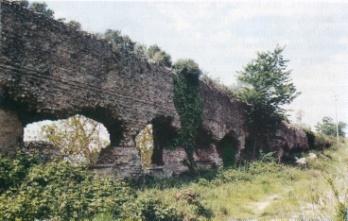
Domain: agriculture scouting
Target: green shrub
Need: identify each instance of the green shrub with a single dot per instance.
(258, 167)
(322, 141)
(144, 209)
(157, 55)
(59, 191)
(41, 7)
(62, 192)
(318, 141)
(14, 170)
(154, 210)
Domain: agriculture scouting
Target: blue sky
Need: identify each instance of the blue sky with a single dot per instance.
(224, 36)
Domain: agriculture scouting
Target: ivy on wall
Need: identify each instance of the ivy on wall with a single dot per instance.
(188, 104)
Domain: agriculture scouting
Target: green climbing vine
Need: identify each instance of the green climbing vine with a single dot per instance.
(188, 104)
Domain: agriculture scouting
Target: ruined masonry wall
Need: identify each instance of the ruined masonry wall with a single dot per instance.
(49, 71)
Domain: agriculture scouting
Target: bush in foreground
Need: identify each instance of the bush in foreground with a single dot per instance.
(59, 191)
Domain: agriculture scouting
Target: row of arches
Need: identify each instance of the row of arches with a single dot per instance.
(151, 141)
(158, 136)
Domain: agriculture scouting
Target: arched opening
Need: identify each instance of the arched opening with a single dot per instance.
(164, 134)
(204, 138)
(78, 138)
(151, 141)
(228, 149)
(114, 126)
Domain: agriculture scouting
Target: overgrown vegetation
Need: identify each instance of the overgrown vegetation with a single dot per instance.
(77, 139)
(318, 141)
(41, 7)
(328, 127)
(266, 87)
(157, 55)
(32, 190)
(119, 42)
(263, 190)
(188, 104)
(37, 7)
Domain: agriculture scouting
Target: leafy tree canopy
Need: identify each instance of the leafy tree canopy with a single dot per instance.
(266, 85)
(328, 127)
(41, 7)
(189, 69)
(23, 3)
(157, 55)
(119, 41)
(74, 25)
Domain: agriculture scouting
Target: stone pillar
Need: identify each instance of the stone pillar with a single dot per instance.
(11, 131)
(241, 147)
(123, 160)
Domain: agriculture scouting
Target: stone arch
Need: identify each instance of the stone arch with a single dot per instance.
(164, 134)
(23, 112)
(153, 138)
(113, 124)
(96, 138)
(229, 149)
(28, 111)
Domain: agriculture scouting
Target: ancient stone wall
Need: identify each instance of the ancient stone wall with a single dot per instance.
(50, 71)
(11, 131)
(289, 139)
(222, 114)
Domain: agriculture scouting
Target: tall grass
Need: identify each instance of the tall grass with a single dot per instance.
(263, 190)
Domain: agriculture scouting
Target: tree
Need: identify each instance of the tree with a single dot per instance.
(74, 25)
(76, 137)
(266, 86)
(328, 127)
(41, 8)
(23, 3)
(119, 42)
(188, 104)
(158, 56)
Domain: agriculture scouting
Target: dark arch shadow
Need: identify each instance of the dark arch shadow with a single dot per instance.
(114, 125)
(164, 134)
(204, 138)
(228, 149)
(28, 113)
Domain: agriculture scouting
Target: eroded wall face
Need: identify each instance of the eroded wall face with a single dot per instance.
(223, 115)
(48, 71)
(52, 70)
